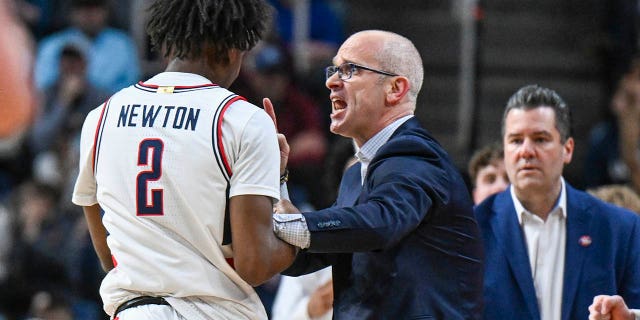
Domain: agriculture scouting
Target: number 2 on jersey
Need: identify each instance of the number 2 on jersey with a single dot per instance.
(144, 207)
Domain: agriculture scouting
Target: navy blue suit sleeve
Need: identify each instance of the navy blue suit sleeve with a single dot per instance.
(401, 186)
(307, 262)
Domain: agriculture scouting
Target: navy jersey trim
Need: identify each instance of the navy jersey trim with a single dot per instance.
(226, 233)
(97, 140)
(153, 88)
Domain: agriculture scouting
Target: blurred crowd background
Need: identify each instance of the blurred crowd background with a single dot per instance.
(71, 55)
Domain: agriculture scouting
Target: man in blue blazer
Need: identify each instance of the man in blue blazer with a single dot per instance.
(401, 237)
(549, 247)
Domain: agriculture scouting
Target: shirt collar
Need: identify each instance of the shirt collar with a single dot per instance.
(560, 204)
(365, 153)
(183, 78)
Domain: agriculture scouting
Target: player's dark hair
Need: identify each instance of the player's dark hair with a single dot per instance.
(183, 29)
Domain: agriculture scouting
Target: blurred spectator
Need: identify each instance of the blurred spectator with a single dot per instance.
(37, 249)
(621, 38)
(487, 173)
(50, 252)
(620, 195)
(325, 27)
(54, 139)
(17, 98)
(112, 55)
(50, 306)
(41, 16)
(613, 154)
(269, 73)
(66, 102)
(151, 61)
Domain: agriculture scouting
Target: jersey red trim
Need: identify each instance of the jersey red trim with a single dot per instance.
(155, 86)
(231, 263)
(223, 155)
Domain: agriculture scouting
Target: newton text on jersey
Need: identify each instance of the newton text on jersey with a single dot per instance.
(136, 115)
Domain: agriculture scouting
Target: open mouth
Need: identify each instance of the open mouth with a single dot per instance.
(338, 104)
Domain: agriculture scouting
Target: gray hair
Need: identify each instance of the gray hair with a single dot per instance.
(534, 96)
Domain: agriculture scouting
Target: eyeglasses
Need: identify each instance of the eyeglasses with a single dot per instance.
(345, 70)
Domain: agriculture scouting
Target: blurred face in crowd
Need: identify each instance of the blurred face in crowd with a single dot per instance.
(358, 103)
(90, 19)
(271, 84)
(534, 154)
(72, 65)
(490, 179)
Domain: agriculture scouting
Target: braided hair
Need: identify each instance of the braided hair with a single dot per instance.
(184, 28)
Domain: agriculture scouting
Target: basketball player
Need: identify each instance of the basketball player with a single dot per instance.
(178, 174)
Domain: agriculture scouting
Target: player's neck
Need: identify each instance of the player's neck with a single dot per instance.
(198, 67)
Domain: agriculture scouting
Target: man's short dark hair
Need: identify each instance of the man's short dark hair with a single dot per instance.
(535, 96)
(183, 29)
(488, 155)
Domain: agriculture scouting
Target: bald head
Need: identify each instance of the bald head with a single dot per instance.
(394, 53)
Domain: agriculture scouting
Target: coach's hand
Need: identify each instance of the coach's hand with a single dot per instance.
(285, 206)
(282, 140)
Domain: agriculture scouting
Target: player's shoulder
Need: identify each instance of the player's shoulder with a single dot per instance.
(246, 110)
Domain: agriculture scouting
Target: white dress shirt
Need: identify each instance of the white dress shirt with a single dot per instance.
(369, 149)
(546, 248)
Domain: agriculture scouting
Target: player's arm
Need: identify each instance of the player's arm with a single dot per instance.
(98, 235)
(258, 253)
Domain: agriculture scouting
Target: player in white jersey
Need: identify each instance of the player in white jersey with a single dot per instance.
(178, 174)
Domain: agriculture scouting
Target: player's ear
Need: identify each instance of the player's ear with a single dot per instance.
(397, 88)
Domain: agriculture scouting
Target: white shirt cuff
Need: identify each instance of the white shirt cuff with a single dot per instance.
(284, 192)
(292, 228)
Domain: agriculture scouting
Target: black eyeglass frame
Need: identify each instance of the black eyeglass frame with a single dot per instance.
(331, 70)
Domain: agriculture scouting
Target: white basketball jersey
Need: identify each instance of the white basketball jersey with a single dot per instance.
(162, 158)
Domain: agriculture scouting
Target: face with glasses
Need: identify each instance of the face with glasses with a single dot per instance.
(358, 89)
(346, 70)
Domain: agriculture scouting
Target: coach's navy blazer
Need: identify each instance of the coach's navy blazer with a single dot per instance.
(404, 245)
(602, 256)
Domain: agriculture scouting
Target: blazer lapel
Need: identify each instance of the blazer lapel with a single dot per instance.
(350, 187)
(510, 236)
(578, 221)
